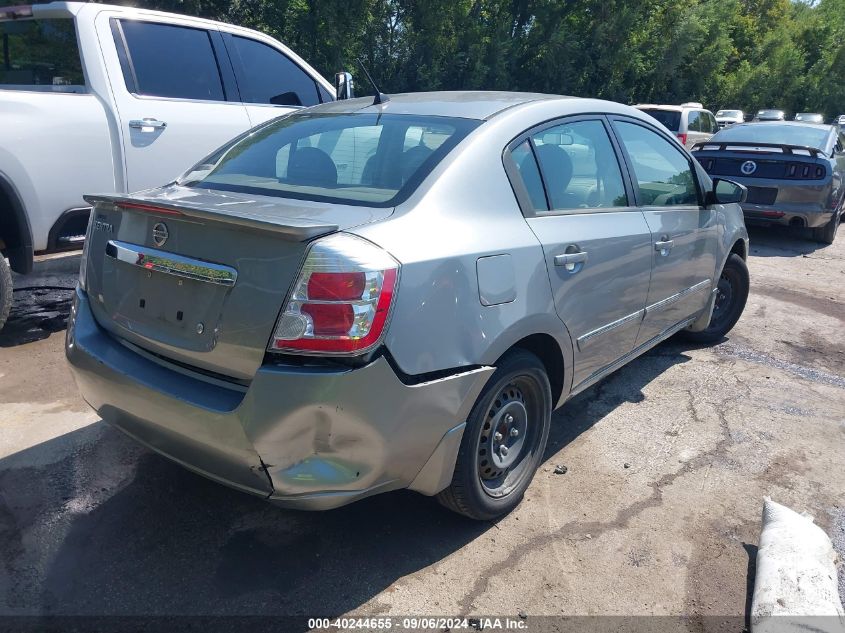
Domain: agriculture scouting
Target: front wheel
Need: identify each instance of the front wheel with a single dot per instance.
(504, 440)
(5, 291)
(731, 295)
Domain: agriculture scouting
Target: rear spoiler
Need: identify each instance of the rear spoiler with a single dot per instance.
(293, 229)
(741, 146)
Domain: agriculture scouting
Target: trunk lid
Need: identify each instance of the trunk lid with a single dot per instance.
(198, 277)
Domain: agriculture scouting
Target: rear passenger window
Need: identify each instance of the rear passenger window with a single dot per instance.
(694, 121)
(171, 61)
(663, 174)
(530, 174)
(579, 166)
(40, 55)
(265, 75)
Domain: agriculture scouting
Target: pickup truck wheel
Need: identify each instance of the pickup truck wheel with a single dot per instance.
(731, 295)
(827, 233)
(503, 441)
(5, 291)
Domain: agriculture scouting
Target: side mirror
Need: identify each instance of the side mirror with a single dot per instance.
(344, 86)
(727, 192)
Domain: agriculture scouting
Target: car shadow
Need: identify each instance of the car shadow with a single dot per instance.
(781, 241)
(165, 541)
(160, 540)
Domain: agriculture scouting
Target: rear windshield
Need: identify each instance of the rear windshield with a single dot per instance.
(805, 135)
(40, 55)
(363, 159)
(671, 119)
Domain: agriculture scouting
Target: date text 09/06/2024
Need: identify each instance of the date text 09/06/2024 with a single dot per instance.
(418, 623)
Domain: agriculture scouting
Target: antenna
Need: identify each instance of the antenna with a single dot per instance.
(380, 96)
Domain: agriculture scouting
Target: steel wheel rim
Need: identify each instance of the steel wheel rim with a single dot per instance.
(724, 301)
(511, 422)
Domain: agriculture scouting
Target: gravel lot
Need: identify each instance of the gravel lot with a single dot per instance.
(668, 461)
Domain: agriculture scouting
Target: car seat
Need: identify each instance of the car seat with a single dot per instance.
(557, 169)
(313, 167)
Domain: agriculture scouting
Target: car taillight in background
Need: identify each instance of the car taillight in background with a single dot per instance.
(730, 167)
(340, 301)
(803, 170)
(682, 138)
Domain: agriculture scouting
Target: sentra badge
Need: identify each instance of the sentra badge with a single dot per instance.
(102, 225)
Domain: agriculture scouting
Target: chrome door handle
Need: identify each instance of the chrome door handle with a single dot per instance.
(147, 125)
(573, 262)
(664, 246)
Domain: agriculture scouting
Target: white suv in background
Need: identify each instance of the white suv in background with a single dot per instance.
(690, 122)
(98, 98)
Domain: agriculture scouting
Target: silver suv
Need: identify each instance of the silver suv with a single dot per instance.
(725, 118)
(690, 122)
(363, 297)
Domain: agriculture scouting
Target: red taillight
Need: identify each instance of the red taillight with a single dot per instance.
(330, 319)
(682, 138)
(772, 214)
(336, 286)
(341, 300)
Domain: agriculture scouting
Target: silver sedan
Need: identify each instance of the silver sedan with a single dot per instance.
(362, 297)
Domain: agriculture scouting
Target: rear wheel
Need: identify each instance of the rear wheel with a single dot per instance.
(731, 295)
(503, 441)
(827, 233)
(5, 291)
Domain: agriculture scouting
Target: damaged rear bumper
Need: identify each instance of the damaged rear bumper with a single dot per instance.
(304, 437)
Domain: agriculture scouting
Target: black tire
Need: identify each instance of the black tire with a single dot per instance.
(517, 397)
(827, 233)
(733, 288)
(5, 291)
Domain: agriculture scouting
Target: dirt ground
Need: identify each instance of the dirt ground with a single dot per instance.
(668, 461)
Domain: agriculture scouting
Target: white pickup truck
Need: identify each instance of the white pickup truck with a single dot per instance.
(98, 98)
